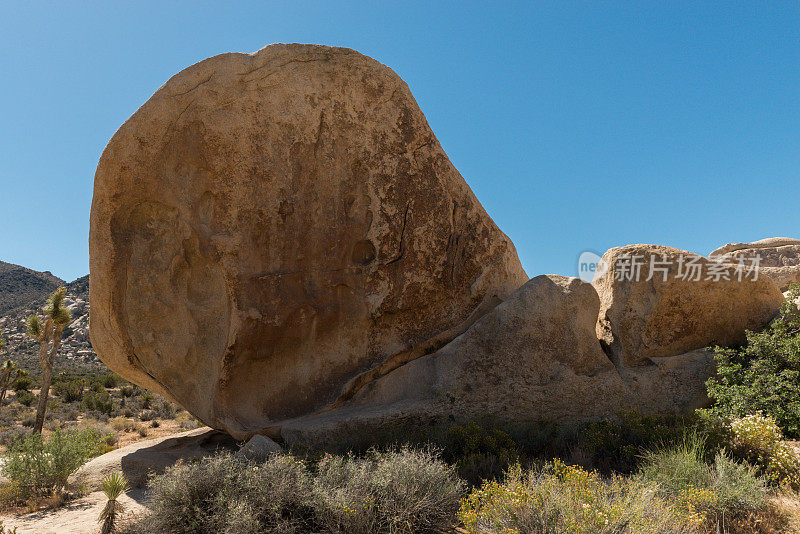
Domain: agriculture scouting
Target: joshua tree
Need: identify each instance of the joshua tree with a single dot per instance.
(56, 317)
(8, 374)
(114, 486)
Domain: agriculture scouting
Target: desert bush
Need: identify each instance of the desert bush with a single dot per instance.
(758, 440)
(186, 421)
(25, 397)
(122, 424)
(402, 492)
(617, 445)
(100, 401)
(166, 410)
(11, 435)
(42, 466)
(480, 453)
(708, 492)
(110, 437)
(762, 375)
(110, 380)
(198, 498)
(69, 391)
(12, 494)
(11, 413)
(560, 498)
(22, 383)
(147, 400)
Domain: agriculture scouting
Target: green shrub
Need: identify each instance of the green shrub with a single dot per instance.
(22, 383)
(480, 453)
(762, 376)
(166, 410)
(737, 485)
(25, 397)
(709, 492)
(12, 494)
(402, 492)
(11, 435)
(122, 424)
(559, 498)
(69, 391)
(98, 401)
(147, 400)
(616, 445)
(42, 466)
(110, 380)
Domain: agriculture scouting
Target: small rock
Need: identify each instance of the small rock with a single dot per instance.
(258, 448)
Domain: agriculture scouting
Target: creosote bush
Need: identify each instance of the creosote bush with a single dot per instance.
(402, 492)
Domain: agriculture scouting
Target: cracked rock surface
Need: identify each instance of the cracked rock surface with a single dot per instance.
(268, 227)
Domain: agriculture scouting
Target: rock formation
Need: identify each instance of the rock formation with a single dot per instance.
(270, 230)
(533, 357)
(279, 244)
(779, 258)
(688, 303)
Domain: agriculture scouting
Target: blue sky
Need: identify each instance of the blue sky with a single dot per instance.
(579, 125)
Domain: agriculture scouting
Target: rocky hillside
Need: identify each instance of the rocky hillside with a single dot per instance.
(76, 349)
(19, 286)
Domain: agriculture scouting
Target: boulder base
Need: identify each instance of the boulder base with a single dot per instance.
(534, 357)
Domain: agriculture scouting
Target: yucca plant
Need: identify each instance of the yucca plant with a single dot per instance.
(114, 486)
(48, 334)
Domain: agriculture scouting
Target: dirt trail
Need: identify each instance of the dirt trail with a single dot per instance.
(75, 517)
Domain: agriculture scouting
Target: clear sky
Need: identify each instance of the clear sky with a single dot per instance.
(579, 125)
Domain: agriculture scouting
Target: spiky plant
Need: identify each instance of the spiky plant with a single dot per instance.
(114, 486)
(48, 334)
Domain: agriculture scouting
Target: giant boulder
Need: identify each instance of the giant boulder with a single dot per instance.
(658, 301)
(778, 258)
(268, 229)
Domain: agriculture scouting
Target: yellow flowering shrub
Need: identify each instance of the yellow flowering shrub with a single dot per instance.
(565, 498)
(759, 440)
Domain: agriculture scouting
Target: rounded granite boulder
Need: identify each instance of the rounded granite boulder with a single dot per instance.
(267, 227)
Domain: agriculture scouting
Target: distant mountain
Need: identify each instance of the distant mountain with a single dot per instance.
(19, 286)
(76, 348)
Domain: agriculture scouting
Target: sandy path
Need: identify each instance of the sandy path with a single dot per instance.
(76, 517)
